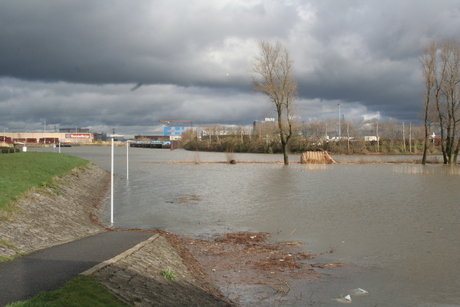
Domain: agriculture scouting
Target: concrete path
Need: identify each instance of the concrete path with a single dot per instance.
(50, 268)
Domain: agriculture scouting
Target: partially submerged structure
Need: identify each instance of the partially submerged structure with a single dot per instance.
(316, 157)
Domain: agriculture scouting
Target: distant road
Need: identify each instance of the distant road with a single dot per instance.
(49, 269)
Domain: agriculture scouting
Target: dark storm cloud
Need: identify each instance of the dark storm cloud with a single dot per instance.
(131, 63)
(83, 105)
(123, 41)
(369, 51)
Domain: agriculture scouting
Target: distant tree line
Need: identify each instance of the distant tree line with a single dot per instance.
(369, 137)
(272, 68)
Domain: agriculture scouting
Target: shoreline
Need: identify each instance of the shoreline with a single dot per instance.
(48, 217)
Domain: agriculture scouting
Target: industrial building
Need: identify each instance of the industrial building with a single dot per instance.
(32, 138)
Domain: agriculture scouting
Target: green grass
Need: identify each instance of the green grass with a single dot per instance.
(168, 275)
(80, 291)
(8, 244)
(22, 171)
(19, 173)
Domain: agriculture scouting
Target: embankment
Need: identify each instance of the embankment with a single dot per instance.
(53, 215)
(70, 208)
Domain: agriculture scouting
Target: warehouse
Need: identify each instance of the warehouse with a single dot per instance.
(31, 138)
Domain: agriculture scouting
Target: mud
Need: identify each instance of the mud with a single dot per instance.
(251, 272)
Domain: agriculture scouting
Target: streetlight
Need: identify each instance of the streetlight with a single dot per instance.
(340, 132)
(112, 137)
(4, 136)
(127, 161)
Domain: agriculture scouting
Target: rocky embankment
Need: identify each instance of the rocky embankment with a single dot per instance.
(58, 213)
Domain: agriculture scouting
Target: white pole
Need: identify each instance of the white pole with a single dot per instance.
(127, 161)
(111, 189)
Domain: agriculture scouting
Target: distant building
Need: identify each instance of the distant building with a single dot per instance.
(174, 131)
(371, 138)
(74, 130)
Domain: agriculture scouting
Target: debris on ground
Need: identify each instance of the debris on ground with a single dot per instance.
(249, 270)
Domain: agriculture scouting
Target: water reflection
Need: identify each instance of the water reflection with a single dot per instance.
(396, 225)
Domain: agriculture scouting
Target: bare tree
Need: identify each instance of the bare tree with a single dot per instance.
(428, 61)
(317, 130)
(441, 71)
(450, 54)
(188, 136)
(273, 77)
(388, 131)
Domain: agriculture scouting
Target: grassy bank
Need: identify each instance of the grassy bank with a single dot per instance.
(22, 171)
(80, 291)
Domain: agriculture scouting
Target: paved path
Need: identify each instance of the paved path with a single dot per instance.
(50, 268)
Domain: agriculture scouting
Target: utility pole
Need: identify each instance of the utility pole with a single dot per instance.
(377, 132)
(340, 132)
(404, 138)
(410, 137)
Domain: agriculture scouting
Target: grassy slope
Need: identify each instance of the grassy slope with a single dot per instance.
(22, 171)
(80, 291)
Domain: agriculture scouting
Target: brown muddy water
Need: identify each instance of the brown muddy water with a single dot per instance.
(397, 226)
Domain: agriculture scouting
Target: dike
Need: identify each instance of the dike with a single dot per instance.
(46, 217)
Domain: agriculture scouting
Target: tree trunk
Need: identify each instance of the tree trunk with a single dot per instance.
(284, 138)
(285, 153)
(456, 152)
(425, 144)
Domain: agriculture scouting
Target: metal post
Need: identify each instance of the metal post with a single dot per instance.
(111, 188)
(112, 137)
(4, 134)
(127, 161)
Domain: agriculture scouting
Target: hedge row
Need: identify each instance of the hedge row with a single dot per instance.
(9, 150)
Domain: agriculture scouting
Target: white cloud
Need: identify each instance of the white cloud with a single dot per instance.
(76, 61)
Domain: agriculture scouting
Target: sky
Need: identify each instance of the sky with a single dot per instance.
(125, 65)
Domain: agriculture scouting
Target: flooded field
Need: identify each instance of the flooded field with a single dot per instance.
(396, 226)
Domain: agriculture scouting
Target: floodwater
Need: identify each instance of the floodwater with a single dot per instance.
(397, 226)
